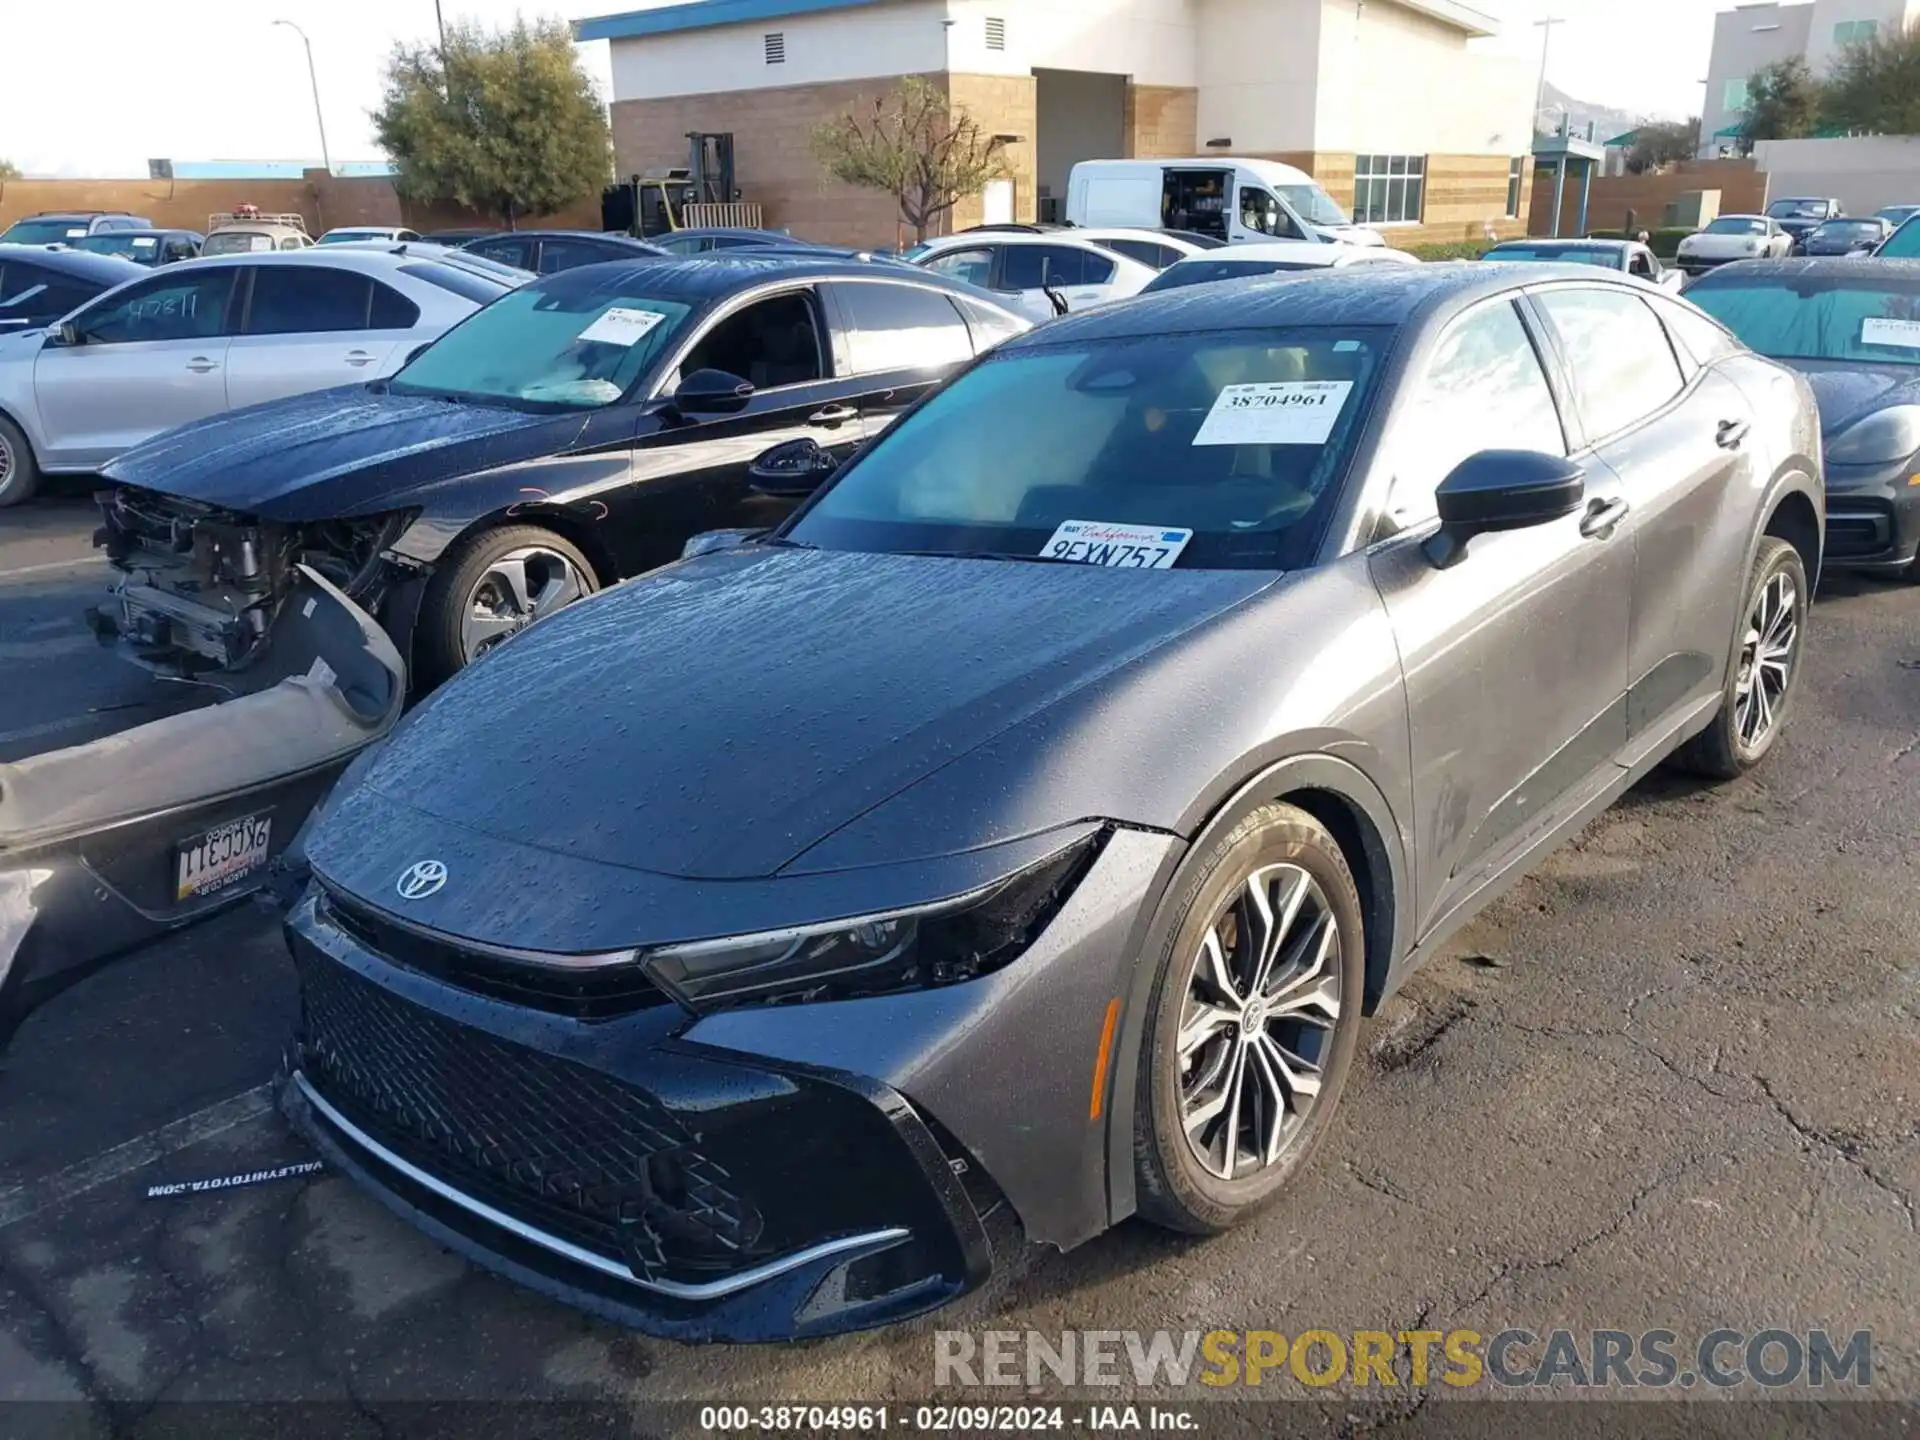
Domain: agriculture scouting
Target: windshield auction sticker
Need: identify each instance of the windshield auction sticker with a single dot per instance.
(1097, 542)
(1877, 330)
(622, 326)
(1285, 412)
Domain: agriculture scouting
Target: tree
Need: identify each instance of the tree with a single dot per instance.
(913, 145)
(9, 170)
(1661, 142)
(1874, 86)
(504, 122)
(1783, 102)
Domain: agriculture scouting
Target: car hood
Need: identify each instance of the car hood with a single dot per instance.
(337, 452)
(1705, 244)
(1847, 391)
(716, 719)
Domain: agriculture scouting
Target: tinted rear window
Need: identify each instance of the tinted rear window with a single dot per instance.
(463, 283)
(1206, 272)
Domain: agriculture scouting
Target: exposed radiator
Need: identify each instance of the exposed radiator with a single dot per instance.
(735, 215)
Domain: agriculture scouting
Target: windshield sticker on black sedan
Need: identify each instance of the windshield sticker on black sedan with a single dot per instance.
(622, 326)
(1284, 412)
(1903, 334)
(1136, 547)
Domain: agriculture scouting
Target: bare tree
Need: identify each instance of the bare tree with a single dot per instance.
(916, 147)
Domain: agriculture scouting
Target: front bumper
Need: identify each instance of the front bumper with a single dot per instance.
(768, 1173)
(1700, 264)
(89, 835)
(1873, 516)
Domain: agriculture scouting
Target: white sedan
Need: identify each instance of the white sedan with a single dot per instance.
(1023, 267)
(1272, 257)
(1733, 237)
(207, 335)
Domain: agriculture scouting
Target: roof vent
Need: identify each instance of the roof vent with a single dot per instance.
(996, 33)
(777, 48)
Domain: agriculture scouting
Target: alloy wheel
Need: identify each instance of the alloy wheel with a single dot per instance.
(6, 461)
(1767, 656)
(520, 587)
(1261, 1002)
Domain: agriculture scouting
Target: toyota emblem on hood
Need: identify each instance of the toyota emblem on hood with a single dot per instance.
(421, 879)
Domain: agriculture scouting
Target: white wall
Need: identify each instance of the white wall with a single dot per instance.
(1889, 17)
(904, 38)
(1150, 40)
(1395, 81)
(1257, 73)
(1863, 172)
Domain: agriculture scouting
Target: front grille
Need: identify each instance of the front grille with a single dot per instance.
(601, 992)
(1858, 529)
(562, 1147)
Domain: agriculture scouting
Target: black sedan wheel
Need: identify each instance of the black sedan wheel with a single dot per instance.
(1254, 1023)
(1765, 671)
(494, 586)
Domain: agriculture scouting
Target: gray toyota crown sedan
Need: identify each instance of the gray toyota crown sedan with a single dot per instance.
(1033, 817)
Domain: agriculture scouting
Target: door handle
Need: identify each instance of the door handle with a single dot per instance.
(833, 415)
(1601, 517)
(1731, 433)
(199, 364)
(359, 357)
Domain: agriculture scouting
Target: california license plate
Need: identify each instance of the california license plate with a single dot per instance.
(224, 855)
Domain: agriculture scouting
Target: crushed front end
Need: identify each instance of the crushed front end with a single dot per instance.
(198, 589)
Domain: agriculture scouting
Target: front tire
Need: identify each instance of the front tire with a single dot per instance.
(1253, 1024)
(19, 471)
(489, 588)
(1764, 675)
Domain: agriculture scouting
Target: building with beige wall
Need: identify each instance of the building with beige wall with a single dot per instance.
(1387, 102)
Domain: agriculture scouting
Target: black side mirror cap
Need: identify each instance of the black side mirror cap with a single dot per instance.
(65, 332)
(712, 392)
(416, 352)
(792, 469)
(1501, 490)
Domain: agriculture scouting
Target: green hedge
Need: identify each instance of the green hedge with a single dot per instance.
(1451, 250)
(1664, 242)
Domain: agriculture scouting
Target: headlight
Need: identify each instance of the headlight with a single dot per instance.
(1686, 244)
(916, 949)
(1889, 435)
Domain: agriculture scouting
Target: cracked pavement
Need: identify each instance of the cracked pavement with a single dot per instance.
(1671, 1080)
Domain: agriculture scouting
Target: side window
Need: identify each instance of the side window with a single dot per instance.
(506, 252)
(291, 242)
(174, 306)
(1696, 334)
(391, 310)
(178, 250)
(556, 255)
(306, 300)
(1029, 267)
(1260, 211)
(989, 326)
(1621, 362)
(974, 267)
(902, 327)
(771, 343)
(1482, 390)
(1145, 251)
(1639, 264)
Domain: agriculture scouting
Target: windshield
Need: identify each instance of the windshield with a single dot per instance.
(348, 237)
(1904, 243)
(576, 340)
(1204, 272)
(43, 231)
(1313, 205)
(1735, 225)
(1561, 254)
(1818, 317)
(118, 242)
(1848, 230)
(1894, 214)
(236, 242)
(1218, 450)
(1798, 209)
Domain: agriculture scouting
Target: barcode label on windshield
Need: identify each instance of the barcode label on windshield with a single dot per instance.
(1285, 412)
(622, 326)
(1876, 330)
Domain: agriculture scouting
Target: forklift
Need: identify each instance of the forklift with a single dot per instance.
(654, 201)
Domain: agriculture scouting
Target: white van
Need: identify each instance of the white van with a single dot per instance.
(1221, 196)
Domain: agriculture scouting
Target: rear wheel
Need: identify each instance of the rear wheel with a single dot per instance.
(1765, 673)
(1255, 1018)
(19, 474)
(492, 587)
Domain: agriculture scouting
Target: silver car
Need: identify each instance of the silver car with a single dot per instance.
(1032, 818)
(214, 334)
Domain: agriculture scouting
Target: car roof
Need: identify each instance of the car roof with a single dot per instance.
(374, 257)
(81, 264)
(715, 231)
(1312, 251)
(1741, 215)
(1863, 267)
(1345, 295)
(698, 279)
(613, 236)
(1542, 242)
(1073, 236)
(155, 230)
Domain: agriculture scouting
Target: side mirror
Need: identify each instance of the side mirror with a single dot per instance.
(712, 392)
(792, 469)
(1056, 299)
(708, 541)
(65, 332)
(1501, 490)
(416, 352)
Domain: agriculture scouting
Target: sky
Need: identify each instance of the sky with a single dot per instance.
(98, 87)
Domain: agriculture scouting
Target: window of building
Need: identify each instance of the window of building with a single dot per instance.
(1388, 189)
(1853, 32)
(1733, 98)
(996, 33)
(1516, 168)
(777, 48)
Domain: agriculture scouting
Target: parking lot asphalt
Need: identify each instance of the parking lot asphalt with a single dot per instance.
(1672, 1080)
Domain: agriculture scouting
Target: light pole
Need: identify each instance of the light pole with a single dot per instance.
(313, 77)
(1540, 91)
